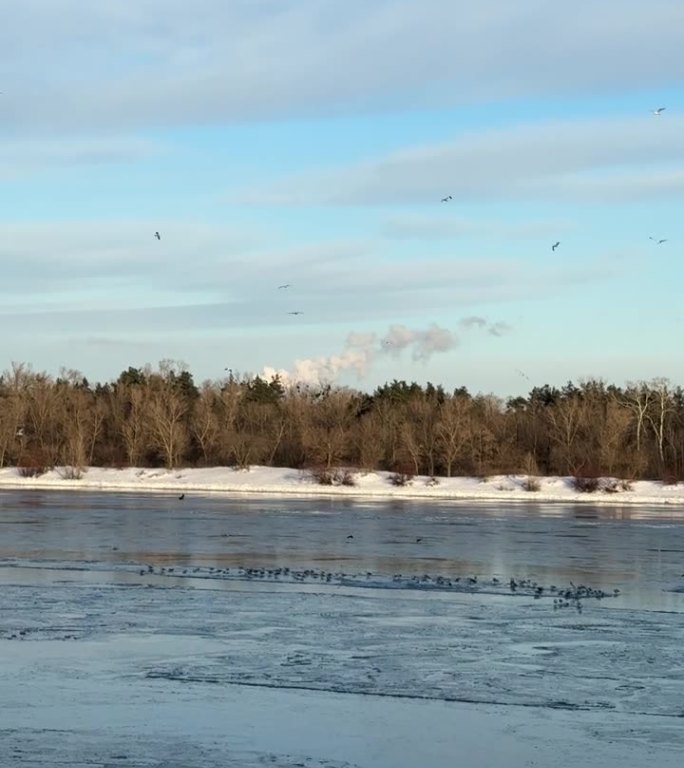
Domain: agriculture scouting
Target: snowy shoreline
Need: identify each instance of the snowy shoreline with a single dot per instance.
(276, 481)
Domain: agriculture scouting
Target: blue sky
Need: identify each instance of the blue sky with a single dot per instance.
(310, 142)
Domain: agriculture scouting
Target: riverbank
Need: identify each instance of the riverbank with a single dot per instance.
(292, 482)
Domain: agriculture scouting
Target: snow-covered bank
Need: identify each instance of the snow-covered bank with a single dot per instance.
(280, 481)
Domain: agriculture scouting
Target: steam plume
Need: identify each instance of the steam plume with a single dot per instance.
(361, 350)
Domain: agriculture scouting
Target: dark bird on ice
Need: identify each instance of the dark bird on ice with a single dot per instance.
(419, 539)
(157, 235)
(181, 497)
(446, 199)
(659, 111)
(555, 245)
(295, 313)
(658, 242)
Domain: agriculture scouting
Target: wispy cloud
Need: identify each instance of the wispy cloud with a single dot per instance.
(161, 62)
(610, 158)
(21, 156)
(66, 258)
(449, 226)
(578, 160)
(100, 275)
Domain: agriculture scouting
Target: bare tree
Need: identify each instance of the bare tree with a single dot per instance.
(42, 412)
(412, 448)
(326, 433)
(388, 419)
(638, 398)
(421, 434)
(369, 447)
(612, 433)
(453, 429)
(98, 415)
(659, 412)
(76, 427)
(167, 414)
(129, 405)
(206, 426)
(565, 420)
(13, 406)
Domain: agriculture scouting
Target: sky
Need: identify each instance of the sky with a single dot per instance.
(310, 143)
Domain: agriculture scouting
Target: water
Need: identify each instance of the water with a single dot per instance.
(636, 550)
(125, 639)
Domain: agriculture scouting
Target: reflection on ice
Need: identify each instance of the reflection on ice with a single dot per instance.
(640, 557)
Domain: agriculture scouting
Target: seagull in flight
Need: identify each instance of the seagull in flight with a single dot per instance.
(659, 111)
(295, 313)
(157, 235)
(286, 285)
(658, 242)
(555, 245)
(446, 199)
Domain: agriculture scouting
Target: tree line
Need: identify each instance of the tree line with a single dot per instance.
(161, 417)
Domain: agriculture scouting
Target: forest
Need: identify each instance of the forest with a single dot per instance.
(160, 417)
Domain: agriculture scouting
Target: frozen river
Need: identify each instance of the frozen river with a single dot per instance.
(148, 631)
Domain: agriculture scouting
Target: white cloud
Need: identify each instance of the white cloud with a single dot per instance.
(160, 62)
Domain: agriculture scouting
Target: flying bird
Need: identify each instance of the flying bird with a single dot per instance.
(285, 285)
(555, 245)
(295, 313)
(157, 235)
(659, 111)
(658, 242)
(446, 199)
